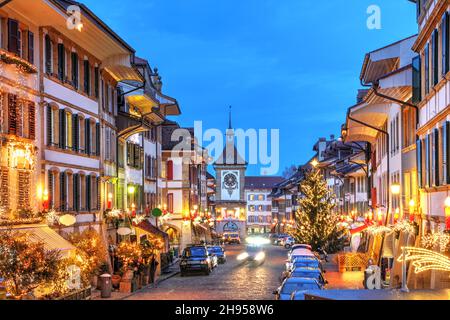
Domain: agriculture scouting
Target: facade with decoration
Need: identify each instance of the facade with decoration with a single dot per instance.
(230, 201)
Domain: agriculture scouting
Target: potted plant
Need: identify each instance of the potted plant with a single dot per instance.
(129, 255)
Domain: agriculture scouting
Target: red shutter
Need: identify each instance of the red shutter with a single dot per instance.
(374, 160)
(374, 197)
(170, 170)
(32, 121)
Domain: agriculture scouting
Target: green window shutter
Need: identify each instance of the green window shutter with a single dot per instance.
(49, 126)
(87, 136)
(76, 192)
(48, 54)
(97, 139)
(427, 68)
(436, 157)
(427, 161)
(61, 62)
(30, 47)
(417, 80)
(75, 79)
(435, 57)
(13, 37)
(445, 43)
(50, 189)
(446, 152)
(63, 192)
(88, 193)
(96, 81)
(98, 192)
(62, 129)
(87, 77)
(75, 133)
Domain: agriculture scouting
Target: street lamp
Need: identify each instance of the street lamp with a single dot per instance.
(412, 209)
(315, 163)
(447, 213)
(395, 189)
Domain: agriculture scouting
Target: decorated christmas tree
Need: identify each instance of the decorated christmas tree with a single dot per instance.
(316, 224)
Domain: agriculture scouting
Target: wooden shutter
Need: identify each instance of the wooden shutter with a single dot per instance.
(48, 54)
(427, 161)
(31, 121)
(75, 133)
(87, 136)
(76, 192)
(419, 163)
(436, 157)
(170, 170)
(435, 57)
(31, 47)
(50, 189)
(62, 129)
(96, 82)
(445, 43)
(75, 69)
(87, 77)
(12, 114)
(61, 61)
(13, 36)
(63, 192)
(88, 193)
(97, 139)
(49, 126)
(446, 152)
(98, 192)
(417, 80)
(427, 68)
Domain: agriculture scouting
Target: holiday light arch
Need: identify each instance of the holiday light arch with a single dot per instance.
(425, 260)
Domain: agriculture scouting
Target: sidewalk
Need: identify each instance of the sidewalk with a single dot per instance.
(174, 270)
(346, 280)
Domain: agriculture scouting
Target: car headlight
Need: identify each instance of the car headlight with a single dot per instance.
(260, 256)
(242, 256)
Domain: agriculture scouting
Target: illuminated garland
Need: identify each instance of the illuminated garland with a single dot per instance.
(440, 239)
(379, 230)
(21, 64)
(425, 260)
(404, 226)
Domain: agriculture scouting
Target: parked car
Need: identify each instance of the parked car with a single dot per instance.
(215, 254)
(292, 285)
(308, 284)
(301, 246)
(276, 238)
(304, 262)
(306, 272)
(287, 242)
(219, 252)
(196, 258)
(231, 238)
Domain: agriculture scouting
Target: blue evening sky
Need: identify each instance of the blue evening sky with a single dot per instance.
(291, 65)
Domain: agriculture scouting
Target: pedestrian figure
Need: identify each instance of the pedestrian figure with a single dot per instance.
(171, 254)
(153, 267)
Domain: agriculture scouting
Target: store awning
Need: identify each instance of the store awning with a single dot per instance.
(170, 109)
(373, 114)
(119, 67)
(143, 102)
(51, 239)
(150, 228)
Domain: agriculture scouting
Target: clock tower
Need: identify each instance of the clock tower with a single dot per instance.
(230, 194)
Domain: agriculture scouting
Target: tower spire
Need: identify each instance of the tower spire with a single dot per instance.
(229, 121)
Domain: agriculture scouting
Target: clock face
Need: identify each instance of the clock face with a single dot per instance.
(230, 182)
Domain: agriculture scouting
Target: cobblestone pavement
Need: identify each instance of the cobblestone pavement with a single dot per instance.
(231, 281)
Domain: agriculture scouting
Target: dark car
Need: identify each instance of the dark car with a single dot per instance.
(195, 259)
(219, 252)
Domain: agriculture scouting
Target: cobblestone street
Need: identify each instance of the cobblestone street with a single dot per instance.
(230, 281)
